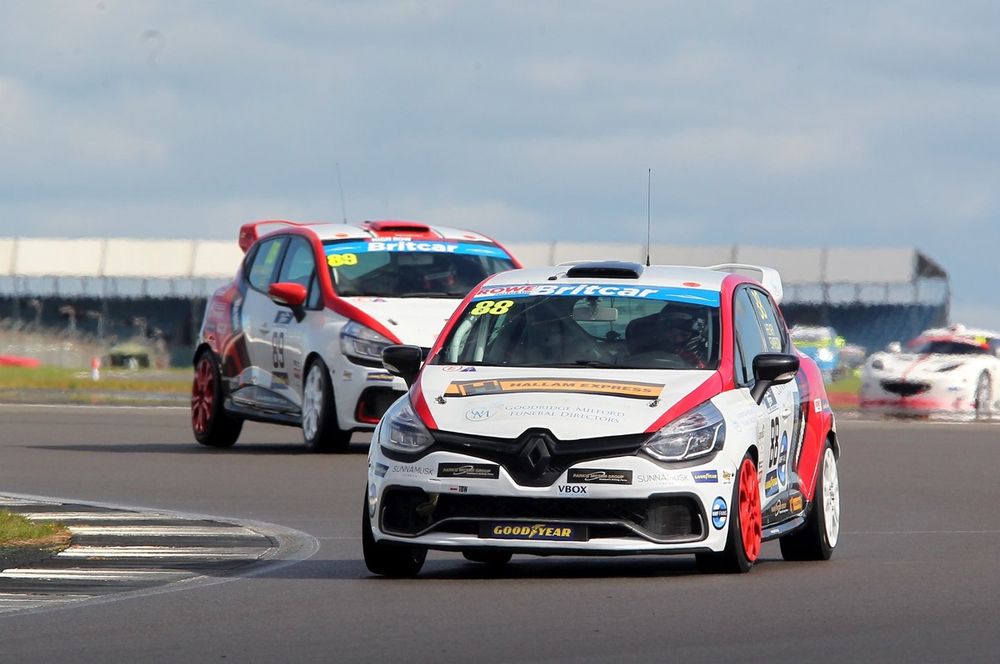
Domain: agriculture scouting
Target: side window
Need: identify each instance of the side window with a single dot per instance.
(750, 340)
(265, 261)
(299, 265)
(775, 335)
(315, 300)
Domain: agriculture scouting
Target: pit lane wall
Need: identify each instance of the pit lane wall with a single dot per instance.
(116, 288)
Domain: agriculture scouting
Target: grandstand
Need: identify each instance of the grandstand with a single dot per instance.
(117, 288)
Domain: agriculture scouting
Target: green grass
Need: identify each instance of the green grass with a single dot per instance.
(849, 385)
(16, 531)
(169, 381)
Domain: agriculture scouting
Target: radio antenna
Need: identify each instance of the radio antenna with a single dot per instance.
(340, 184)
(649, 183)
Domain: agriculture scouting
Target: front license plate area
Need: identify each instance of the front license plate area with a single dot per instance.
(520, 530)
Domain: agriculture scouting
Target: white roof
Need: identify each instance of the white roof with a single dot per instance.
(654, 275)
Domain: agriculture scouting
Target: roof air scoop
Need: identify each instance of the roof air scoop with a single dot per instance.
(396, 227)
(605, 270)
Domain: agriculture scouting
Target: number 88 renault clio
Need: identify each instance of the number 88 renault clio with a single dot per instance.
(606, 408)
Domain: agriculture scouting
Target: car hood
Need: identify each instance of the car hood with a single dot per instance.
(911, 366)
(414, 320)
(571, 403)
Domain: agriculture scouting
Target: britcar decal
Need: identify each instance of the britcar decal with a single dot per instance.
(663, 293)
(617, 388)
(413, 246)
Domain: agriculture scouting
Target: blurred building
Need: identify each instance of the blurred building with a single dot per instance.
(115, 289)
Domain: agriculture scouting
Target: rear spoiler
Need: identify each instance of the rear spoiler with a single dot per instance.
(253, 230)
(768, 277)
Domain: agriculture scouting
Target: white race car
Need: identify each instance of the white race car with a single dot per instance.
(606, 408)
(949, 372)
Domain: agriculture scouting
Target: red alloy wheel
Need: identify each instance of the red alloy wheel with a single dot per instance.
(202, 395)
(750, 519)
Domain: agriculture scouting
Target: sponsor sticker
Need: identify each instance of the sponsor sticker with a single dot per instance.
(478, 414)
(771, 486)
(770, 401)
(619, 388)
(778, 508)
(482, 471)
(795, 502)
(709, 298)
(783, 459)
(381, 469)
(572, 489)
(818, 405)
(727, 476)
(454, 368)
(458, 489)
(409, 469)
(381, 377)
(283, 317)
(705, 476)
(719, 513)
(591, 476)
(534, 531)
(412, 246)
(662, 478)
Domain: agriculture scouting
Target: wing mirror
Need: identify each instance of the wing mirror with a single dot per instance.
(288, 294)
(403, 361)
(772, 369)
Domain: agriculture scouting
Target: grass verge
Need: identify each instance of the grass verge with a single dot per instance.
(23, 541)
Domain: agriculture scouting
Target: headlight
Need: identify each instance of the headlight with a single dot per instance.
(401, 429)
(362, 342)
(950, 367)
(699, 432)
(878, 365)
(825, 355)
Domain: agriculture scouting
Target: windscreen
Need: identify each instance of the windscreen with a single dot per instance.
(946, 347)
(595, 325)
(411, 268)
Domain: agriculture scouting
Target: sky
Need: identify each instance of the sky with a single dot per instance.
(768, 123)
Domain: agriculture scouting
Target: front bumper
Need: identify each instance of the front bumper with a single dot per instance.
(447, 500)
(361, 393)
(916, 399)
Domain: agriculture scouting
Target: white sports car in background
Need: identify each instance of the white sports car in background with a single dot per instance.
(954, 372)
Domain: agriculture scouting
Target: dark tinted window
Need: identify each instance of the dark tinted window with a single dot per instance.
(265, 261)
(749, 337)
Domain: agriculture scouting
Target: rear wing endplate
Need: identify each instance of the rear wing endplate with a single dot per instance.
(768, 277)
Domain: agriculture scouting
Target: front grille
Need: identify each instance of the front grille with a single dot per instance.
(409, 512)
(904, 388)
(536, 457)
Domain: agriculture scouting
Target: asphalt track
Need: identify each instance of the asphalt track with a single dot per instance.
(915, 577)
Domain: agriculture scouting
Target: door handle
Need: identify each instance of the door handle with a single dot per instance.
(786, 412)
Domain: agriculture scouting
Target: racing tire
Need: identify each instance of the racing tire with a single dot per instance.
(491, 557)
(984, 397)
(211, 424)
(745, 526)
(817, 539)
(320, 429)
(388, 559)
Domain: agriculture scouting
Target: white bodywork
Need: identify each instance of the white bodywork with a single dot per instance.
(935, 384)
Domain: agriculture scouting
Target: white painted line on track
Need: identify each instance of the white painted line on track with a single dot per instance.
(163, 531)
(81, 574)
(200, 552)
(96, 516)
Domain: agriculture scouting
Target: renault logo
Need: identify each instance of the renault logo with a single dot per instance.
(534, 456)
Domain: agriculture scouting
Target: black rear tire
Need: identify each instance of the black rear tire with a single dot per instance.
(324, 434)
(388, 559)
(811, 541)
(210, 423)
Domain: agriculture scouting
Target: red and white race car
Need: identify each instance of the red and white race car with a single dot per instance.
(297, 337)
(607, 408)
(950, 372)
